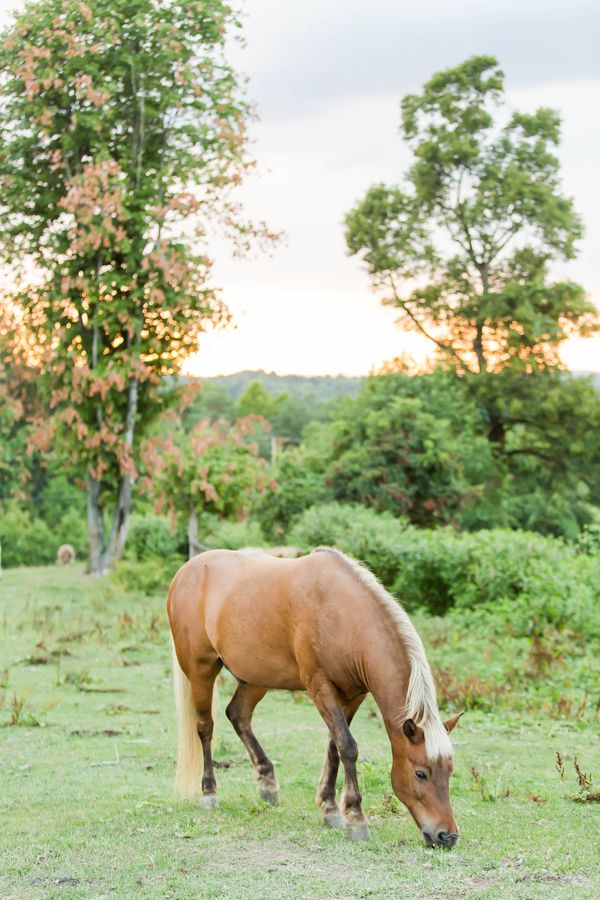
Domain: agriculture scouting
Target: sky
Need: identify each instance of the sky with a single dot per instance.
(327, 77)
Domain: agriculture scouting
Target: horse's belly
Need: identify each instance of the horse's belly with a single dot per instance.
(264, 670)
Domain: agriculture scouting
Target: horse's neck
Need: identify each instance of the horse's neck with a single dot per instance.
(387, 672)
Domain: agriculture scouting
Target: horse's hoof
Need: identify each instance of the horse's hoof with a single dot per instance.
(358, 831)
(209, 801)
(334, 820)
(270, 796)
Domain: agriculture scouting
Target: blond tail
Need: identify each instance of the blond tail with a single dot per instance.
(189, 748)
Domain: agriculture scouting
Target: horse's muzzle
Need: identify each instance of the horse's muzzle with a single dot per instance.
(440, 838)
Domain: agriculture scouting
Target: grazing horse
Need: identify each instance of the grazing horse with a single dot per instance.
(65, 554)
(324, 624)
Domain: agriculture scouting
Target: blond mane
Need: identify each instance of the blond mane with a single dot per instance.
(421, 702)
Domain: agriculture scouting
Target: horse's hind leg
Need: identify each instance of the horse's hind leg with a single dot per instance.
(326, 792)
(239, 712)
(203, 682)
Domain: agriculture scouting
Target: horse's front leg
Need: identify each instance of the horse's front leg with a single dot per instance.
(330, 705)
(326, 791)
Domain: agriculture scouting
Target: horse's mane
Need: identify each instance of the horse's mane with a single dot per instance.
(421, 703)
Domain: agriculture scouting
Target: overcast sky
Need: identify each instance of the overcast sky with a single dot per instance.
(327, 77)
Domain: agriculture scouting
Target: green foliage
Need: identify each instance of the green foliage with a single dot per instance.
(370, 537)
(463, 249)
(404, 446)
(150, 537)
(475, 224)
(227, 535)
(298, 483)
(211, 402)
(315, 388)
(148, 576)
(124, 127)
(214, 470)
(526, 582)
(71, 528)
(418, 445)
(25, 541)
(256, 401)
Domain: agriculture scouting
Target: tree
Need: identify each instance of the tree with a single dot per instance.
(212, 469)
(123, 131)
(463, 248)
(411, 446)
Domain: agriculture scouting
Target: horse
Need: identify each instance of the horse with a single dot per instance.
(65, 554)
(322, 623)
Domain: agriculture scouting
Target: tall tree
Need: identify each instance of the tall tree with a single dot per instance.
(124, 128)
(463, 247)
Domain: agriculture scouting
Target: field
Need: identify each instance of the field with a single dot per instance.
(87, 743)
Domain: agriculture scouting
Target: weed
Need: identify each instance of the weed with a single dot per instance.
(546, 651)
(488, 793)
(584, 781)
(17, 717)
(16, 709)
(78, 678)
(470, 693)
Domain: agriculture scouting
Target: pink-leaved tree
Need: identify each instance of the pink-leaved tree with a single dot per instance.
(124, 131)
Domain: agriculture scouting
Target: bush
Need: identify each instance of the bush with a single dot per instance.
(150, 576)
(150, 537)
(529, 581)
(228, 535)
(26, 541)
(370, 537)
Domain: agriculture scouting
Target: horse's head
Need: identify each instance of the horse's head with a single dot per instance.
(422, 784)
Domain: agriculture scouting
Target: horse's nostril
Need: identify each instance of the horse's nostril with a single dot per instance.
(447, 838)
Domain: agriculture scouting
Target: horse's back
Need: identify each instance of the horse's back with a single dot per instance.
(264, 617)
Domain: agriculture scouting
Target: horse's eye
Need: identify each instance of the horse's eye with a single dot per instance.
(422, 776)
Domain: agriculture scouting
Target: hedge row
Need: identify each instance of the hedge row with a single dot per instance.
(532, 580)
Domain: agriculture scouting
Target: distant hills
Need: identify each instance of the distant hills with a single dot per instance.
(324, 387)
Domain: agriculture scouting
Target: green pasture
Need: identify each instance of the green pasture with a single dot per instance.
(87, 747)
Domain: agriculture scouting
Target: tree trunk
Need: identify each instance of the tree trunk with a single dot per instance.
(192, 530)
(497, 433)
(95, 526)
(120, 524)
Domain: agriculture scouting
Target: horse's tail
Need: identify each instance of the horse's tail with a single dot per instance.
(189, 748)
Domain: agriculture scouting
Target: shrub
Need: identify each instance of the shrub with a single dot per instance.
(370, 537)
(234, 535)
(527, 581)
(150, 576)
(150, 537)
(25, 541)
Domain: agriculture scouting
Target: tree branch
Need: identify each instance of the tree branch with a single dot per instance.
(447, 348)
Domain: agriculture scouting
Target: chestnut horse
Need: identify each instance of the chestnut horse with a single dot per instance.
(324, 624)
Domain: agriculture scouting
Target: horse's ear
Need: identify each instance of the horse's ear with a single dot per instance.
(410, 729)
(450, 724)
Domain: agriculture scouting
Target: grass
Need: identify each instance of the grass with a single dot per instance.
(87, 742)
